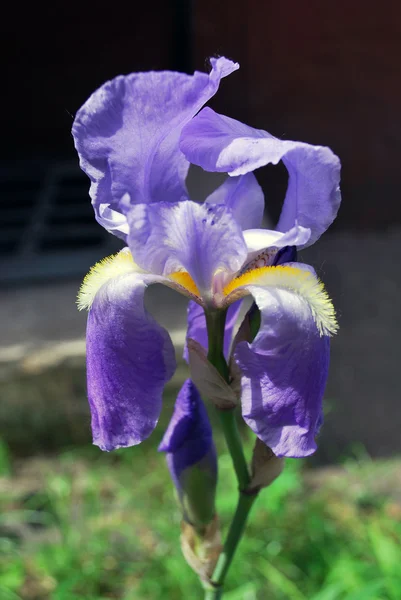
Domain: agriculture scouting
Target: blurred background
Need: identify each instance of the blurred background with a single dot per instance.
(77, 523)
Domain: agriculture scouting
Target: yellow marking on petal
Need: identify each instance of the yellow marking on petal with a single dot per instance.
(106, 269)
(185, 280)
(300, 282)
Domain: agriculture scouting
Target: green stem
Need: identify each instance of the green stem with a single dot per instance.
(213, 593)
(237, 527)
(233, 440)
(215, 321)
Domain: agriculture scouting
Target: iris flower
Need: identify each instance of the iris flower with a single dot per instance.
(136, 137)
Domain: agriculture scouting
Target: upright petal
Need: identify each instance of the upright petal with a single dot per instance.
(284, 372)
(112, 220)
(129, 356)
(244, 197)
(219, 143)
(200, 239)
(127, 134)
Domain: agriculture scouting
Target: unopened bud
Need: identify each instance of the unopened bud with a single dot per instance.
(191, 457)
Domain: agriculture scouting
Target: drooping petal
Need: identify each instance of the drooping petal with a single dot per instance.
(104, 272)
(129, 356)
(284, 370)
(298, 279)
(127, 135)
(219, 143)
(244, 196)
(200, 239)
(197, 326)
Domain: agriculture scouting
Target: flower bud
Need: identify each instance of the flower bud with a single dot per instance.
(191, 457)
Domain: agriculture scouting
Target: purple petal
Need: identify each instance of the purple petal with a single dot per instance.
(113, 221)
(129, 359)
(197, 326)
(218, 143)
(127, 134)
(244, 197)
(166, 238)
(284, 373)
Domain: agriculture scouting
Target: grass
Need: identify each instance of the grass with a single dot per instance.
(93, 526)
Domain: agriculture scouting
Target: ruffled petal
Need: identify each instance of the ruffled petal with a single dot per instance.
(129, 359)
(127, 135)
(112, 220)
(200, 239)
(244, 197)
(219, 143)
(284, 373)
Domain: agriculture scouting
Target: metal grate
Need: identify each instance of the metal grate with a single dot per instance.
(47, 224)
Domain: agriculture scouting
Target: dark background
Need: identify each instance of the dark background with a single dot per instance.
(323, 73)
(326, 73)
